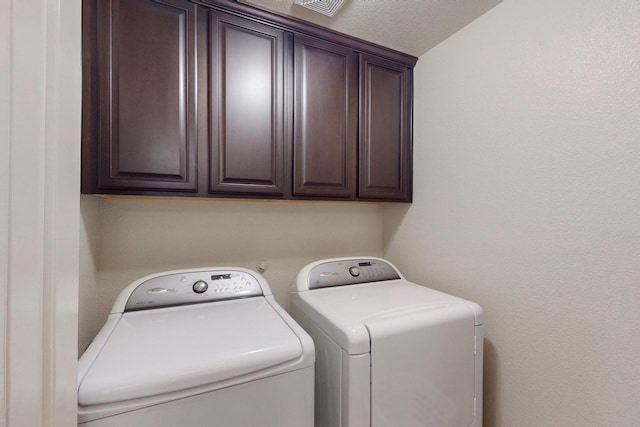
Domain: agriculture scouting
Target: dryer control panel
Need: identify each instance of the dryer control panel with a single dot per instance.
(192, 288)
(350, 272)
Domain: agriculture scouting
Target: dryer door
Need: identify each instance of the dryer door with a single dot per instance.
(422, 367)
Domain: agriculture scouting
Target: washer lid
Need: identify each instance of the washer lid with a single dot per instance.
(165, 350)
(344, 312)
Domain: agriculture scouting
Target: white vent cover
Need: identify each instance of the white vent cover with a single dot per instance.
(326, 7)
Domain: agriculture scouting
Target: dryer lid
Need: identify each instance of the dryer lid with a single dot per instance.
(171, 349)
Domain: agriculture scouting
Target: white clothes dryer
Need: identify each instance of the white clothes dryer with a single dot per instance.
(389, 353)
(197, 348)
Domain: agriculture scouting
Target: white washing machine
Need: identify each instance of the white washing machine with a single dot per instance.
(390, 353)
(197, 348)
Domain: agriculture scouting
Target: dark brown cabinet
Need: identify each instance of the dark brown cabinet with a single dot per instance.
(143, 135)
(385, 130)
(223, 99)
(326, 117)
(247, 101)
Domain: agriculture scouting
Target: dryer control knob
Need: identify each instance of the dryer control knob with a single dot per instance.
(354, 271)
(200, 287)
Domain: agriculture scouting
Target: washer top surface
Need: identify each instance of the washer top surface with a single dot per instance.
(347, 312)
(143, 353)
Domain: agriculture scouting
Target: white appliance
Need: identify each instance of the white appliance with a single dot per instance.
(197, 348)
(389, 353)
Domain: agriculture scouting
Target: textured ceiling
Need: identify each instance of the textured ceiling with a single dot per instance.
(410, 26)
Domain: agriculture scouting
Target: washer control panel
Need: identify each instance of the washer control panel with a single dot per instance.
(351, 272)
(191, 288)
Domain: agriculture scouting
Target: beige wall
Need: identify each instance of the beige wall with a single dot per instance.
(527, 160)
(91, 310)
(527, 200)
(40, 95)
(124, 239)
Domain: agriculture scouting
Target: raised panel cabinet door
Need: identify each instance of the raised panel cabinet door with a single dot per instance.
(247, 130)
(146, 111)
(325, 119)
(385, 130)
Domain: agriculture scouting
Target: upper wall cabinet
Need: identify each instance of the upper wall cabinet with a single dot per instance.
(326, 118)
(214, 98)
(246, 111)
(385, 130)
(139, 96)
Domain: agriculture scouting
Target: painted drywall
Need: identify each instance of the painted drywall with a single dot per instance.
(89, 302)
(424, 23)
(527, 201)
(125, 239)
(40, 94)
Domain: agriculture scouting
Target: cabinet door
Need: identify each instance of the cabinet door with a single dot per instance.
(325, 120)
(146, 113)
(247, 67)
(385, 130)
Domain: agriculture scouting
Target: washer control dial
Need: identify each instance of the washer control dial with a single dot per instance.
(354, 271)
(200, 287)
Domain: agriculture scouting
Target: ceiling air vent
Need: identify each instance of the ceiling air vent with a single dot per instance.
(326, 7)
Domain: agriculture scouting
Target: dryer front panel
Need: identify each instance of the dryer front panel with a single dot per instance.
(422, 367)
